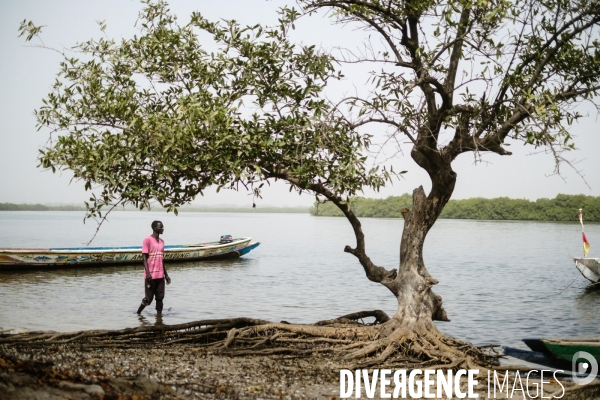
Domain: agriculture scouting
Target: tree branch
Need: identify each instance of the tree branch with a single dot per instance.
(456, 53)
(566, 38)
(374, 25)
(373, 272)
(385, 121)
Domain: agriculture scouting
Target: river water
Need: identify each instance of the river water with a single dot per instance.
(500, 281)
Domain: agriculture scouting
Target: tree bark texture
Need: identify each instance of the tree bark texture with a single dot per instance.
(417, 303)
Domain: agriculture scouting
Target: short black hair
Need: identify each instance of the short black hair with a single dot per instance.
(154, 223)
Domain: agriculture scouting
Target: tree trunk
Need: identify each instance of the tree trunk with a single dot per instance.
(418, 305)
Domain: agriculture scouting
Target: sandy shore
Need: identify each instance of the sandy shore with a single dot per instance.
(169, 372)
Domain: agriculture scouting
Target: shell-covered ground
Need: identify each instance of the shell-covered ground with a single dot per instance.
(73, 371)
(183, 371)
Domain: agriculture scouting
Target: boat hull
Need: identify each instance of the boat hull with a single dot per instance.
(538, 358)
(70, 257)
(589, 268)
(565, 349)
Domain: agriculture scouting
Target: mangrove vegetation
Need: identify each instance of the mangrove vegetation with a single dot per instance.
(563, 207)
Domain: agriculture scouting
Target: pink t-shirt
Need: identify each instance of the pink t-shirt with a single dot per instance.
(156, 252)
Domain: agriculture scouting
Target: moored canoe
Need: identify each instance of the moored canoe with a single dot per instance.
(88, 256)
(565, 349)
(589, 268)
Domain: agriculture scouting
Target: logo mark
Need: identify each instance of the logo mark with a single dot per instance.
(580, 367)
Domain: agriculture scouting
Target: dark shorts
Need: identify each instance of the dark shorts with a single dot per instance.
(154, 288)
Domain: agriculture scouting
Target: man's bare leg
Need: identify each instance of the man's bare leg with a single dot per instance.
(142, 306)
(159, 306)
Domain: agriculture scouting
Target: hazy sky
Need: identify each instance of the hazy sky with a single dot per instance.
(26, 75)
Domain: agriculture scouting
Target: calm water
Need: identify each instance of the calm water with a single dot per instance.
(499, 280)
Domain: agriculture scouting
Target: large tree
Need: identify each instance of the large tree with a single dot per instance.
(161, 116)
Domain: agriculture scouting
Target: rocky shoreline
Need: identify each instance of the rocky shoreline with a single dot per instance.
(184, 371)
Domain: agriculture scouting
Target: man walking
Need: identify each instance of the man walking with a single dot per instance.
(155, 273)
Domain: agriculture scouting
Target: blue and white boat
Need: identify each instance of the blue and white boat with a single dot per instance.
(90, 256)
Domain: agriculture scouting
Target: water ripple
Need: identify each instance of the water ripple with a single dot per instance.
(499, 280)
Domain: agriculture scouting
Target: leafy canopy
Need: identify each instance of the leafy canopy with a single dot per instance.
(458, 76)
(161, 116)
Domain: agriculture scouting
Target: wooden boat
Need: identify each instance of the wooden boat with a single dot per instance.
(589, 268)
(565, 349)
(538, 358)
(91, 256)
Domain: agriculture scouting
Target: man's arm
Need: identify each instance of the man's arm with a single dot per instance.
(145, 259)
(165, 271)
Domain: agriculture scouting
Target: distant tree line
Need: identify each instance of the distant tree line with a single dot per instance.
(562, 208)
(258, 209)
(42, 207)
(38, 207)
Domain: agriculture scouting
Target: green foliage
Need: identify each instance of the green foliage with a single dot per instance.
(363, 207)
(29, 30)
(562, 208)
(180, 107)
(476, 72)
(160, 117)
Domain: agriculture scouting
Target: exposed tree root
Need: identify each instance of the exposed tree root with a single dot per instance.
(360, 344)
(379, 315)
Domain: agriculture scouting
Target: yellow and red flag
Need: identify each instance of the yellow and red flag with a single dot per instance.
(586, 243)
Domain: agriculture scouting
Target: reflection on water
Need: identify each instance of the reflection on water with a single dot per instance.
(158, 320)
(500, 281)
(587, 302)
(43, 275)
(39, 275)
(144, 321)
